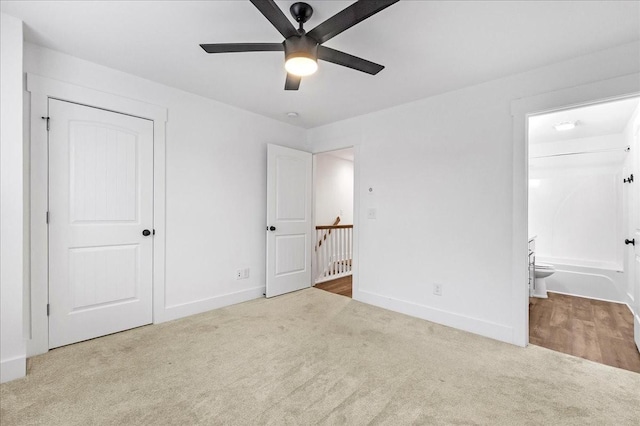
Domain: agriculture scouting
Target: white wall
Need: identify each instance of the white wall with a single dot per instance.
(444, 196)
(215, 183)
(333, 182)
(12, 343)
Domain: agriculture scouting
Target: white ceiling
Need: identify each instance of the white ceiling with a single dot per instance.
(607, 118)
(428, 47)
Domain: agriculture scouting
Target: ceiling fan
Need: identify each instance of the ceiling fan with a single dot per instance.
(303, 49)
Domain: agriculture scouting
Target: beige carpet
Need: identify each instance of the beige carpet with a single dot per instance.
(313, 357)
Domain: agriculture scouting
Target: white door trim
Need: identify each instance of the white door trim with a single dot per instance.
(521, 109)
(41, 89)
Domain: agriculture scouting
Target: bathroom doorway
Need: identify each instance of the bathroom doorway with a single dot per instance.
(583, 217)
(333, 212)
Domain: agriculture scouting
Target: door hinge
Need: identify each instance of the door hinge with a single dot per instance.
(47, 218)
(48, 310)
(48, 119)
(629, 179)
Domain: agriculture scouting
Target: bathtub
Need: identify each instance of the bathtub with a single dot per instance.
(604, 282)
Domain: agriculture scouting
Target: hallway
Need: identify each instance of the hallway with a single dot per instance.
(341, 286)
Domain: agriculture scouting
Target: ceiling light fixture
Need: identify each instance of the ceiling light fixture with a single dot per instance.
(565, 125)
(292, 114)
(301, 56)
(301, 66)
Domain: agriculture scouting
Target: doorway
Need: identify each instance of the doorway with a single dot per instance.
(333, 221)
(582, 215)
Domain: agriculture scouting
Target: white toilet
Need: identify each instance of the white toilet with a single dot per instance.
(542, 271)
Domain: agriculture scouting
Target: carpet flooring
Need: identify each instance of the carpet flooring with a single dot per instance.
(312, 357)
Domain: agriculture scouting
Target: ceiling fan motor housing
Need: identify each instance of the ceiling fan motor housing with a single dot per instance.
(301, 46)
(301, 12)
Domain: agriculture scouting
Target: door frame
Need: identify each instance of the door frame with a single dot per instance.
(521, 109)
(36, 295)
(356, 214)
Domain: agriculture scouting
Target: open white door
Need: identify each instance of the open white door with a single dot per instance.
(634, 200)
(636, 277)
(288, 220)
(100, 202)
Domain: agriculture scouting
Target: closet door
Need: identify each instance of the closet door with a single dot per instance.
(100, 222)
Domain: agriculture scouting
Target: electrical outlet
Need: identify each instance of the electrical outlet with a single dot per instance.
(239, 274)
(437, 289)
(372, 213)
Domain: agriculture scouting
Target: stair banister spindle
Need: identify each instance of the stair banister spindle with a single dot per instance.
(334, 249)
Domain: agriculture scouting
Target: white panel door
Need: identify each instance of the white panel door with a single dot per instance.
(288, 220)
(100, 202)
(634, 200)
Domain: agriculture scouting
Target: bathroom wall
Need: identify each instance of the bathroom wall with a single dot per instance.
(333, 180)
(576, 212)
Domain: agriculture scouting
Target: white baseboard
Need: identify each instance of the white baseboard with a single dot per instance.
(450, 319)
(204, 305)
(11, 369)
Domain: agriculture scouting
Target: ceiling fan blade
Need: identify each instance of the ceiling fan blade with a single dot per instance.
(272, 12)
(292, 82)
(242, 47)
(346, 60)
(347, 18)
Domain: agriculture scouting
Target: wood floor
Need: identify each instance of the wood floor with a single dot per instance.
(591, 329)
(340, 286)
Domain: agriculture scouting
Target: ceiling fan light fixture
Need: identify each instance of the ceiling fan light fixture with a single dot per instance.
(301, 66)
(301, 49)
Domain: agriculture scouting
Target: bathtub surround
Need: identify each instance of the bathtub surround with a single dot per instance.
(313, 357)
(575, 202)
(594, 283)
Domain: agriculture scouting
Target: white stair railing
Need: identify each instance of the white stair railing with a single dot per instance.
(333, 252)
